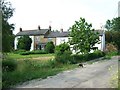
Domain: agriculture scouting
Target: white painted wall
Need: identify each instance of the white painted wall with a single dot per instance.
(16, 42)
(32, 44)
(60, 40)
(101, 45)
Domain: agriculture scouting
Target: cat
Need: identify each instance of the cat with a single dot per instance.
(80, 65)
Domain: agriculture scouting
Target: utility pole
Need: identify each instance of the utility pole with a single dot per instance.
(119, 9)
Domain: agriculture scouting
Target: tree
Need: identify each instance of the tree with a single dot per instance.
(83, 38)
(116, 24)
(108, 25)
(7, 35)
(24, 42)
(50, 47)
(113, 25)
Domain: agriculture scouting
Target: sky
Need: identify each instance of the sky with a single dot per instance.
(59, 14)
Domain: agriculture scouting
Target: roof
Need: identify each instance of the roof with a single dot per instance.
(32, 32)
(54, 34)
(51, 34)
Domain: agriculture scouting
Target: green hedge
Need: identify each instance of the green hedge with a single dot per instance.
(81, 58)
(22, 52)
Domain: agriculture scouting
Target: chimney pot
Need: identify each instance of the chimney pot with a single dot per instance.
(61, 29)
(39, 28)
(20, 29)
(49, 27)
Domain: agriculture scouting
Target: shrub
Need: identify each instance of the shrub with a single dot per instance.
(25, 53)
(110, 47)
(64, 58)
(81, 58)
(63, 53)
(113, 36)
(9, 64)
(38, 52)
(33, 52)
(19, 51)
(96, 54)
(50, 47)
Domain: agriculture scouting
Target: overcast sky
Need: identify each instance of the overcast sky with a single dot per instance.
(61, 13)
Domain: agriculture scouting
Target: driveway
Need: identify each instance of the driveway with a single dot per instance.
(95, 75)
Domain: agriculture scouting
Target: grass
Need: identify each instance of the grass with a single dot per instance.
(115, 78)
(18, 56)
(29, 69)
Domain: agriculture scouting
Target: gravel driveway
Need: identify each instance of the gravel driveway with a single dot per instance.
(96, 75)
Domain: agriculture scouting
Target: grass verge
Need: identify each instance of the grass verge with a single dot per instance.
(30, 69)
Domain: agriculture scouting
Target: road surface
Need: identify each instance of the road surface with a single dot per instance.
(96, 75)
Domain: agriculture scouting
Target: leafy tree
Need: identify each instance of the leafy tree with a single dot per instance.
(116, 24)
(7, 35)
(24, 42)
(113, 25)
(50, 47)
(108, 25)
(83, 38)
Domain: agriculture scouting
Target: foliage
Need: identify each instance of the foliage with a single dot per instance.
(113, 25)
(60, 49)
(86, 57)
(38, 52)
(62, 53)
(28, 70)
(108, 25)
(8, 65)
(110, 48)
(24, 42)
(18, 51)
(113, 37)
(64, 58)
(50, 47)
(83, 38)
(7, 28)
(25, 53)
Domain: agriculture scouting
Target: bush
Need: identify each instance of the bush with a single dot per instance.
(50, 47)
(63, 53)
(38, 52)
(9, 65)
(19, 51)
(81, 58)
(25, 53)
(110, 47)
(113, 36)
(33, 52)
(64, 58)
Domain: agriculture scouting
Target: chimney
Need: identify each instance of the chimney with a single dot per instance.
(61, 29)
(20, 29)
(39, 28)
(50, 28)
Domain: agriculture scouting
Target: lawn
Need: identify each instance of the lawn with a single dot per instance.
(32, 56)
